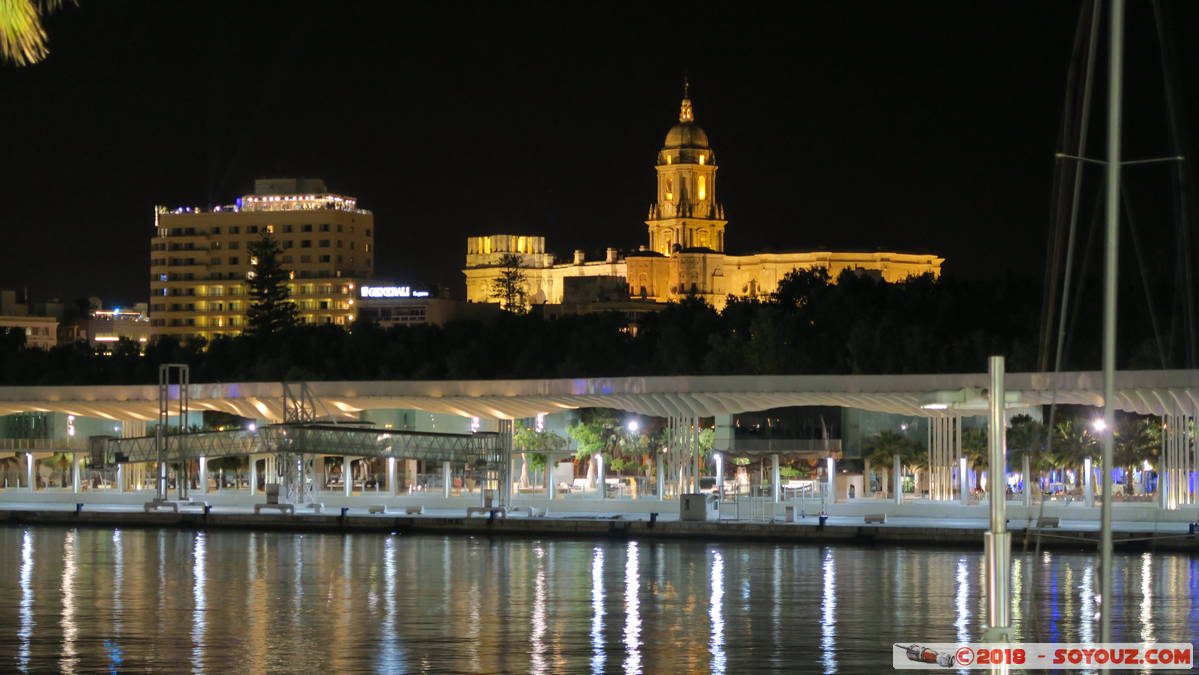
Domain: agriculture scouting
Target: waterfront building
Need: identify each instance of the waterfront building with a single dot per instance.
(41, 330)
(199, 258)
(389, 304)
(685, 253)
(104, 327)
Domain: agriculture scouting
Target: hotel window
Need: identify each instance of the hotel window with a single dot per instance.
(233, 245)
(286, 260)
(306, 243)
(324, 259)
(287, 243)
(324, 227)
(252, 229)
(305, 259)
(287, 228)
(324, 243)
(306, 228)
(340, 227)
(216, 230)
(233, 260)
(234, 229)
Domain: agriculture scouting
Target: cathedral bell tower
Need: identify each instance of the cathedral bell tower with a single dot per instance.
(686, 214)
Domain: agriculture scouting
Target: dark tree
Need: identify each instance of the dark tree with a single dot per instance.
(270, 310)
(509, 286)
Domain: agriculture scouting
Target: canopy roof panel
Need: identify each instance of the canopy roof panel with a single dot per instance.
(1146, 392)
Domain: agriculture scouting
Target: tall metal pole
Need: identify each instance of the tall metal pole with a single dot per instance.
(1110, 259)
(997, 540)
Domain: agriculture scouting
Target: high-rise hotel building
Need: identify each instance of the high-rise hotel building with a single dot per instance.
(199, 258)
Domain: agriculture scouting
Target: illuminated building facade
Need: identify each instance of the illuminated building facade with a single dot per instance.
(685, 255)
(199, 258)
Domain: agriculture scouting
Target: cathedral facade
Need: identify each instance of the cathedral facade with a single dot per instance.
(685, 254)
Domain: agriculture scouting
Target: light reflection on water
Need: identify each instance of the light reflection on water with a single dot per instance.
(182, 601)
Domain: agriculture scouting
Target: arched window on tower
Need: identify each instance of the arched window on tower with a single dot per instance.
(669, 189)
(703, 188)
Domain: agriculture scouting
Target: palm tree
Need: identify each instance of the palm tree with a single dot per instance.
(881, 447)
(974, 449)
(1074, 444)
(1026, 439)
(22, 36)
(1136, 441)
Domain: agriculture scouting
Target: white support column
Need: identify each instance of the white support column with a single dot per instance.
(1088, 487)
(447, 479)
(120, 478)
(600, 484)
(719, 459)
(775, 492)
(550, 462)
(964, 481)
(347, 476)
(203, 476)
(253, 482)
(660, 474)
(392, 487)
(832, 480)
(897, 479)
(1028, 483)
(75, 483)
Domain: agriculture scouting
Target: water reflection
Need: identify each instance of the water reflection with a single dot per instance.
(828, 612)
(632, 610)
(25, 611)
(597, 610)
(199, 602)
(716, 613)
(537, 635)
(277, 602)
(962, 602)
(70, 631)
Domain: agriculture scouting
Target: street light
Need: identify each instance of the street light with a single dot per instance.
(633, 426)
(1099, 425)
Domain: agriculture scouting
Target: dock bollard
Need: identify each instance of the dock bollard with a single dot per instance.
(207, 508)
(823, 518)
(653, 517)
(78, 508)
(1194, 528)
(344, 509)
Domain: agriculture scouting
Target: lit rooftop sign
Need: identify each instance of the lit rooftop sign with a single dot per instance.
(391, 292)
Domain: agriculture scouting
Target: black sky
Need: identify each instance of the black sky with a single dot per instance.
(908, 125)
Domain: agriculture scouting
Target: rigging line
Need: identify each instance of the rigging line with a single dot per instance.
(1057, 205)
(1179, 176)
(1136, 247)
(1088, 81)
(1072, 328)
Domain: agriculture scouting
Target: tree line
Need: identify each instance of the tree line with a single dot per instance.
(811, 325)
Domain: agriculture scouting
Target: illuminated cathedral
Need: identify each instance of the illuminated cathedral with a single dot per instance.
(685, 255)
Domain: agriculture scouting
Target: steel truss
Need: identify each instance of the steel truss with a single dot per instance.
(308, 439)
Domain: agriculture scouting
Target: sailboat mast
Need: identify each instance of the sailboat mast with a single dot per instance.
(1111, 257)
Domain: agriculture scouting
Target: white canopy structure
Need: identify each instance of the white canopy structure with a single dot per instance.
(1157, 392)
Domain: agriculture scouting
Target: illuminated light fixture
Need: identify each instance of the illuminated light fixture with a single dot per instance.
(967, 398)
(107, 338)
(253, 426)
(1099, 425)
(633, 426)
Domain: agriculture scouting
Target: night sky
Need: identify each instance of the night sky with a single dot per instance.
(905, 125)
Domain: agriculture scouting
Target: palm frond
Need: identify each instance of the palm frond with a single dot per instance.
(23, 37)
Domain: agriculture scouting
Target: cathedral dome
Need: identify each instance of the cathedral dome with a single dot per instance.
(686, 135)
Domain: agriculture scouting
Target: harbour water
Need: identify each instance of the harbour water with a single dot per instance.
(177, 600)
